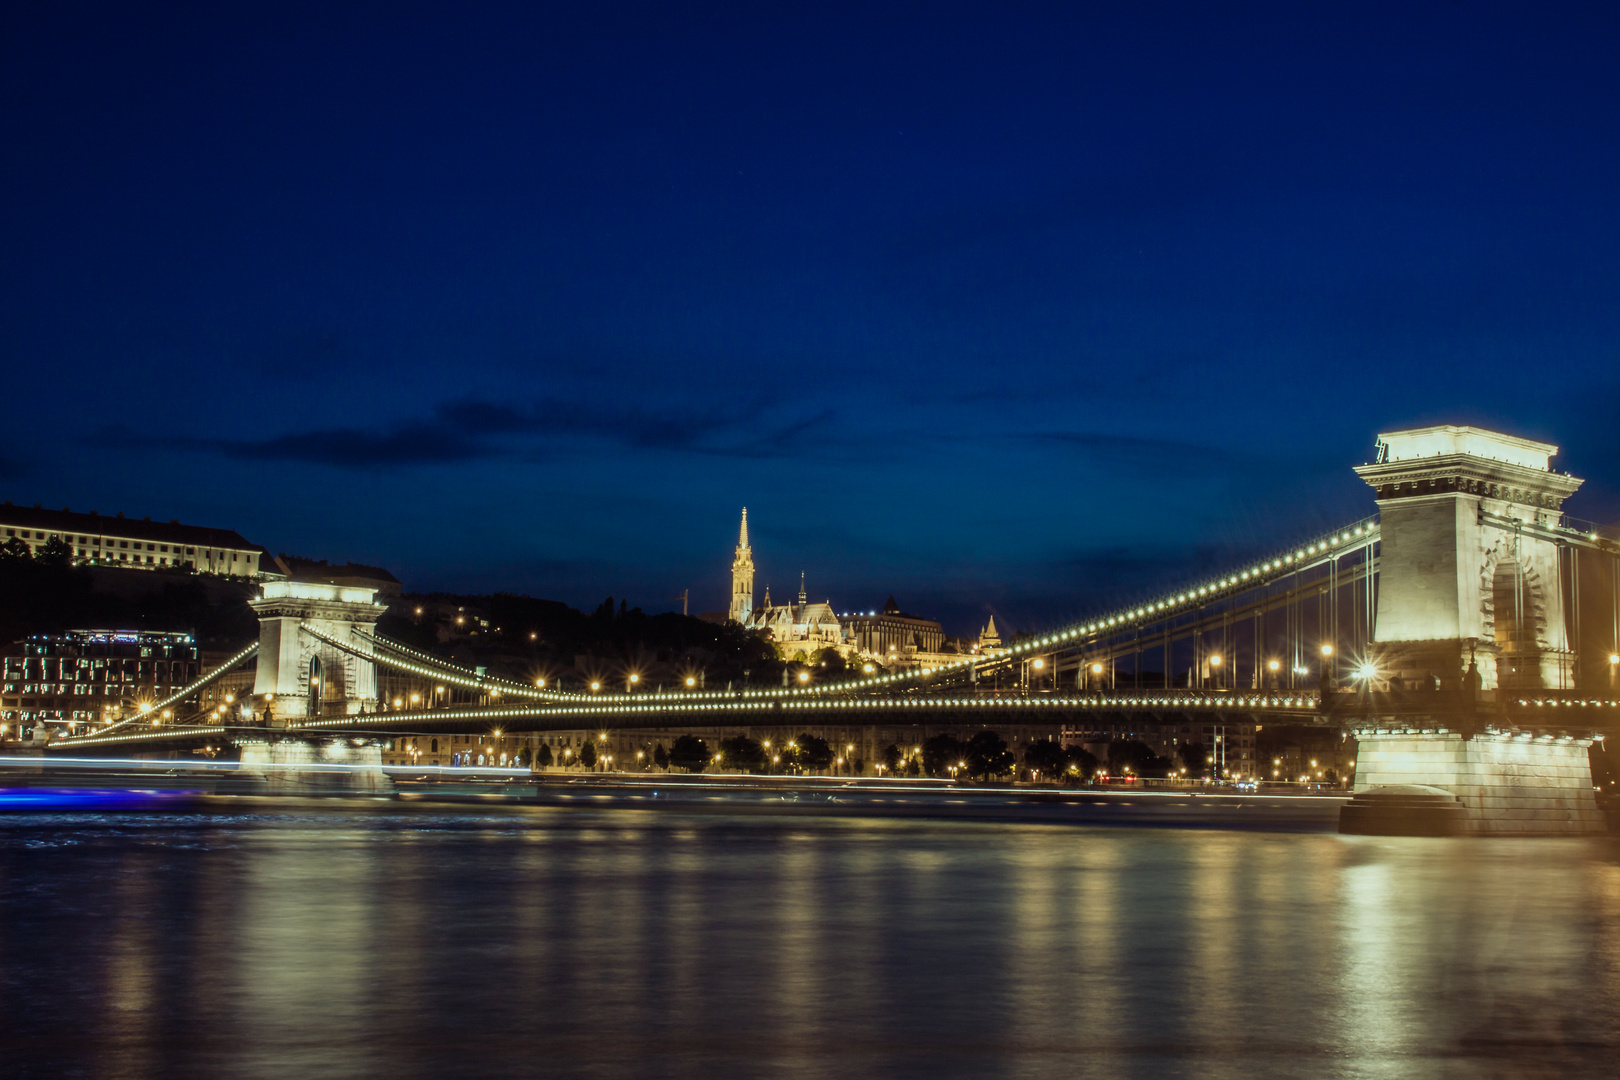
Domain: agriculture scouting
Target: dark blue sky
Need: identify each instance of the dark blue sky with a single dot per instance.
(992, 307)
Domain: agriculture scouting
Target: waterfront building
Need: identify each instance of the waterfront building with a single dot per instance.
(98, 540)
(1229, 748)
(84, 677)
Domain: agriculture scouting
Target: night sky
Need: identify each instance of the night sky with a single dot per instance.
(996, 308)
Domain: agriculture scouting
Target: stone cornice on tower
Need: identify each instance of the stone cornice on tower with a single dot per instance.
(1462, 460)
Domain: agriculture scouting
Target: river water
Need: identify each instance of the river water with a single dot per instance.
(252, 938)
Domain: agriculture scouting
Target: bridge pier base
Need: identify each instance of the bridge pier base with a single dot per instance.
(300, 767)
(1506, 783)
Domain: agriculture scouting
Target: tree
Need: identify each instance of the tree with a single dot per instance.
(987, 755)
(690, 753)
(55, 552)
(1129, 756)
(16, 550)
(587, 754)
(661, 757)
(741, 752)
(1136, 758)
(542, 757)
(1046, 759)
(1082, 763)
(810, 752)
(1195, 757)
(892, 759)
(829, 661)
(941, 754)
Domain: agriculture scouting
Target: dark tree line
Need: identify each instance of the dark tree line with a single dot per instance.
(45, 593)
(526, 633)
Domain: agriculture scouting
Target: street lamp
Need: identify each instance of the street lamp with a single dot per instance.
(804, 676)
(691, 681)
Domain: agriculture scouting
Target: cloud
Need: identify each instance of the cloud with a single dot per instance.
(1128, 449)
(473, 429)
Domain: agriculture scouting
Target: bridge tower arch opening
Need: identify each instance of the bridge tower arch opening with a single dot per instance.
(307, 676)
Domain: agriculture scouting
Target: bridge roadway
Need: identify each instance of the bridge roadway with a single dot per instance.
(1544, 713)
(626, 712)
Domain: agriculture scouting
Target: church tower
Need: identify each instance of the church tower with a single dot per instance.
(742, 576)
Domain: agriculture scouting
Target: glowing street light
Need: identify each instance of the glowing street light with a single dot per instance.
(1096, 669)
(691, 681)
(804, 676)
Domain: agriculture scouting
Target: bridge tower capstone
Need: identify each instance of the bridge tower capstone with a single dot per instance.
(1460, 581)
(307, 676)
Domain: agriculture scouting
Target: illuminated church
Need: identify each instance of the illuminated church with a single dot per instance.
(799, 630)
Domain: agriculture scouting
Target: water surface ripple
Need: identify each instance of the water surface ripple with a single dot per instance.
(371, 940)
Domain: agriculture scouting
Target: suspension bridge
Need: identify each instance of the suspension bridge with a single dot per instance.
(1446, 633)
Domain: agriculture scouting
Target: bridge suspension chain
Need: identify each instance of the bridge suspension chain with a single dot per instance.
(505, 685)
(1329, 547)
(201, 683)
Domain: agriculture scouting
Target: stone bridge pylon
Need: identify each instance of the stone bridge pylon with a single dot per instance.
(1470, 611)
(1469, 571)
(308, 677)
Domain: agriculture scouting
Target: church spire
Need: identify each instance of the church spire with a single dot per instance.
(742, 575)
(802, 598)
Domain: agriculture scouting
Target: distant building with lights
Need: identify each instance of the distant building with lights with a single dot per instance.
(89, 676)
(800, 630)
(896, 637)
(97, 540)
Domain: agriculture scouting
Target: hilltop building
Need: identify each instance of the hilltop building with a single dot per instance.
(143, 545)
(894, 636)
(800, 630)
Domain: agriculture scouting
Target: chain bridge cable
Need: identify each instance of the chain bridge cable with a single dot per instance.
(505, 685)
(1321, 550)
(203, 682)
(1309, 555)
